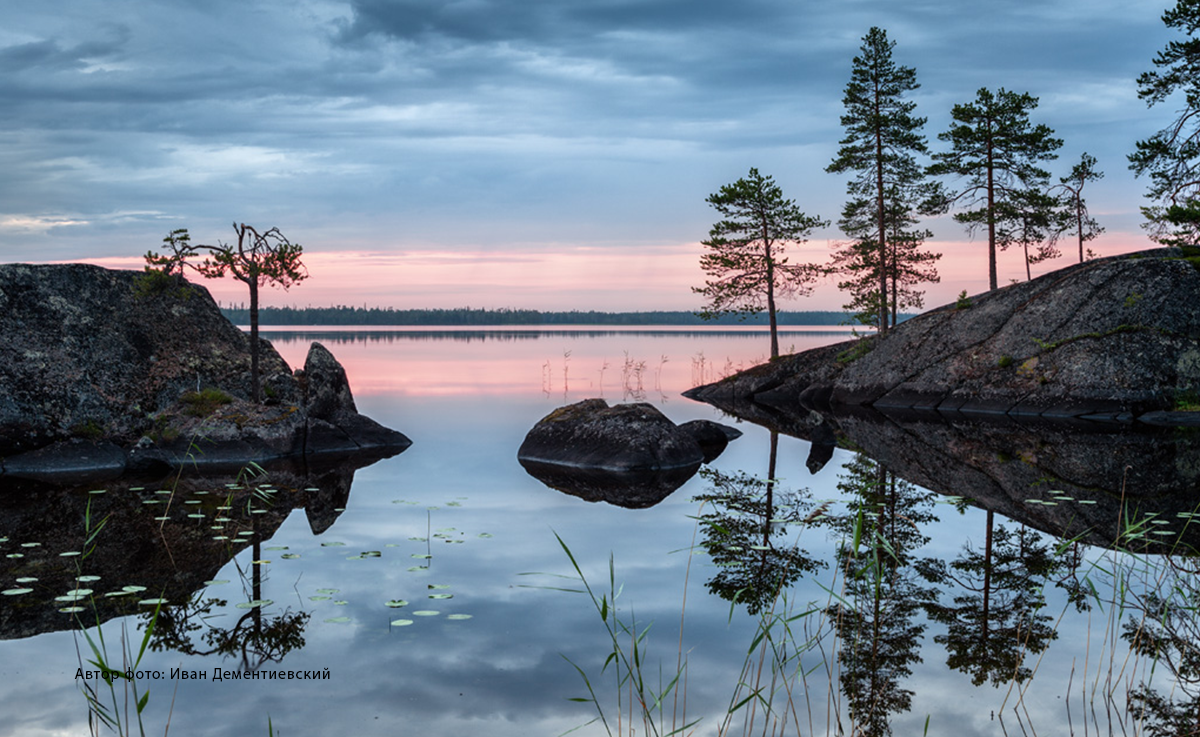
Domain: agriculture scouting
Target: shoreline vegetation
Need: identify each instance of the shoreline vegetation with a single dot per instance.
(345, 315)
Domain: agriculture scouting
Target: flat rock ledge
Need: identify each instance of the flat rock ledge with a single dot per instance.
(623, 438)
(1109, 341)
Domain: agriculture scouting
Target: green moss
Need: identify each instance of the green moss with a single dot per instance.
(856, 351)
(1005, 361)
(88, 429)
(204, 402)
(1187, 400)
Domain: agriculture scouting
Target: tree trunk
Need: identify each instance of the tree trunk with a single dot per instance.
(991, 216)
(880, 215)
(1079, 225)
(255, 392)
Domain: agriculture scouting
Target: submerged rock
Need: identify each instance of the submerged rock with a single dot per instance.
(95, 367)
(1108, 340)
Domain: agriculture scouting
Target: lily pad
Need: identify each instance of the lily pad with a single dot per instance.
(458, 617)
(395, 603)
(332, 544)
(15, 592)
(255, 603)
(152, 602)
(401, 622)
(441, 596)
(425, 613)
(290, 556)
(319, 598)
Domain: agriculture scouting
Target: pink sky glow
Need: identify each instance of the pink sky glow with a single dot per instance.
(612, 279)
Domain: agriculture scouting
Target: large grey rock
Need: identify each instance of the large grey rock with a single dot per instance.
(626, 437)
(86, 356)
(1108, 339)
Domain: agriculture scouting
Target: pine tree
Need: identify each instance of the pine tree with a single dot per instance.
(905, 265)
(1074, 216)
(996, 148)
(1171, 157)
(745, 262)
(882, 140)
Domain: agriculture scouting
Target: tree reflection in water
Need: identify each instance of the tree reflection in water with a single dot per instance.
(255, 638)
(998, 615)
(745, 526)
(875, 613)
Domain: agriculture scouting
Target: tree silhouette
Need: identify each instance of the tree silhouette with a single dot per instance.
(1171, 157)
(257, 259)
(997, 150)
(882, 138)
(745, 263)
(1074, 216)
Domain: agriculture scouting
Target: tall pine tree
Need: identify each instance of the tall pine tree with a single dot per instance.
(995, 147)
(1171, 157)
(883, 137)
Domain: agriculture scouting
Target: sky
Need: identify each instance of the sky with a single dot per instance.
(545, 154)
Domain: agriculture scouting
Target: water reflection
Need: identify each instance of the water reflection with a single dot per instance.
(744, 521)
(145, 539)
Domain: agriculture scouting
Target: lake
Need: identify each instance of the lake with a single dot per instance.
(794, 586)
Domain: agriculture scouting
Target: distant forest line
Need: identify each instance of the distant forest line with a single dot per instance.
(344, 315)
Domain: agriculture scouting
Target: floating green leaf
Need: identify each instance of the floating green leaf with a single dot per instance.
(425, 613)
(401, 622)
(290, 556)
(441, 596)
(395, 603)
(152, 602)
(328, 591)
(15, 592)
(459, 616)
(371, 554)
(332, 544)
(255, 603)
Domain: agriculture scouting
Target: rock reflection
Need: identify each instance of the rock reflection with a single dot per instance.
(629, 489)
(153, 538)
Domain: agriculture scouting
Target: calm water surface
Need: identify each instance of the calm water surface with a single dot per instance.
(910, 639)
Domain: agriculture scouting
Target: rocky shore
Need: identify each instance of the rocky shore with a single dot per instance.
(104, 372)
(1110, 340)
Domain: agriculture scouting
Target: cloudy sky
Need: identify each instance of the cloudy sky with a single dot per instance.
(524, 153)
